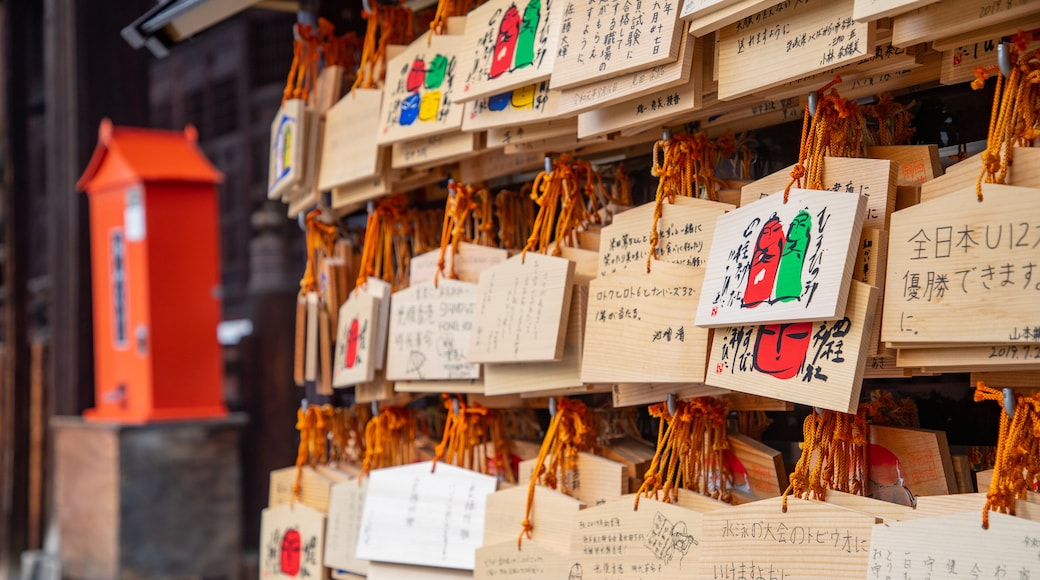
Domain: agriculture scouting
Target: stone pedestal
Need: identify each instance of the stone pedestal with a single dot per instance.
(160, 500)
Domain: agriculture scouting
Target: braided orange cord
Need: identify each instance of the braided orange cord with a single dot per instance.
(1016, 468)
(571, 431)
(554, 192)
(834, 456)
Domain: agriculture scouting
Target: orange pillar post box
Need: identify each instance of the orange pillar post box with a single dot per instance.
(154, 254)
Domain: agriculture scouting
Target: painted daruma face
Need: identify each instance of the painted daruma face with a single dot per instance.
(789, 278)
(780, 348)
(353, 336)
(290, 560)
(505, 45)
(764, 263)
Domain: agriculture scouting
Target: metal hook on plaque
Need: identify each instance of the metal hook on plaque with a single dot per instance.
(375, 408)
(548, 165)
(1009, 402)
(1004, 59)
(552, 406)
(814, 101)
(455, 405)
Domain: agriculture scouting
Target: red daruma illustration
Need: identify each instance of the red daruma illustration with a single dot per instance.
(290, 560)
(886, 476)
(780, 348)
(353, 336)
(765, 263)
(505, 45)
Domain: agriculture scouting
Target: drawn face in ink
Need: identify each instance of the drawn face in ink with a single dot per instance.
(353, 337)
(764, 263)
(886, 476)
(500, 101)
(780, 348)
(576, 573)
(429, 106)
(290, 560)
(789, 278)
(436, 72)
(416, 75)
(523, 97)
(528, 34)
(505, 45)
(409, 109)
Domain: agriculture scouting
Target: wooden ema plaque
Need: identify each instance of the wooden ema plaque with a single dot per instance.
(344, 524)
(291, 542)
(604, 92)
(551, 515)
(958, 63)
(955, 546)
(685, 232)
(594, 481)
(699, 8)
(346, 156)
(812, 540)
(510, 378)
(870, 269)
(874, 178)
(631, 394)
(438, 514)
(534, 103)
(285, 168)
(956, 17)
(909, 462)
(813, 363)
(472, 260)
(533, 561)
(384, 571)
(773, 262)
(659, 540)
(656, 107)
(1007, 357)
(868, 10)
(960, 271)
(522, 308)
(415, 95)
(603, 40)
(435, 149)
(355, 358)
(788, 41)
(758, 470)
(508, 44)
(429, 332)
(639, 327)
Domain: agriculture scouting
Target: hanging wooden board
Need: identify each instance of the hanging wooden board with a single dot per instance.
(315, 488)
(493, 164)
(384, 571)
(655, 107)
(685, 232)
(462, 386)
(750, 113)
(415, 95)
(746, 402)
(285, 167)
(632, 394)
(594, 481)
(379, 389)
(534, 103)
(953, 17)
(600, 93)
(698, 8)
(513, 135)
(585, 262)
(951, 546)
(958, 63)
(353, 196)
(787, 42)
(812, 363)
(1005, 29)
(355, 360)
(522, 308)
(904, 462)
(870, 269)
(528, 377)
(430, 326)
(439, 149)
(534, 561)
(551, 515)
(874, 178)
(868, 10)
(884, 367)
(438, 515)
(640, 327)
(914, 163)
(507, 45)
(344, 524)
(968, 358)
(1026, 379)
(812, 540)
(380, 290)
(602, 41)
(756, 274)
(291, 542)
(659, 540)
(733, 11)
(961, 271)
(347, 154)
(758, 470)
(882, 510)
(472, 260)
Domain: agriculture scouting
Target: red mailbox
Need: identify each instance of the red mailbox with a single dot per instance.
(154, 254)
